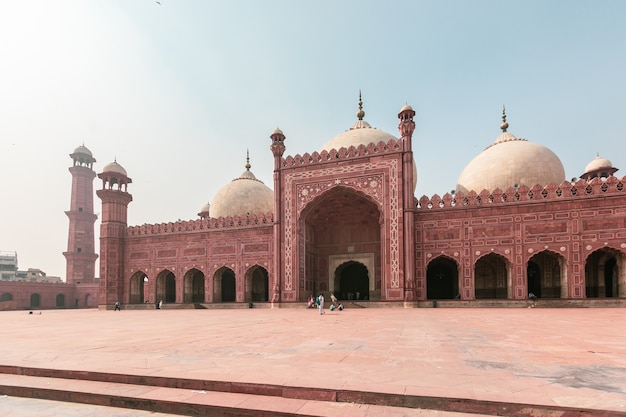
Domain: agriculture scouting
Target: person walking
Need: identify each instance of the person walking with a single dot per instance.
(117, 306)
(321, 303)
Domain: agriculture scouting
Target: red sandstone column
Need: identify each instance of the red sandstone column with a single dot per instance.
(406, 128)
(278, 148)
(113, 285)
(81, 254)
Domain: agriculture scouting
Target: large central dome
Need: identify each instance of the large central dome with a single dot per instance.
(511, 162)
(361, 133)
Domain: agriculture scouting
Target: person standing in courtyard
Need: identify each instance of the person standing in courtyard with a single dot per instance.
(321, 303)
(117, 306)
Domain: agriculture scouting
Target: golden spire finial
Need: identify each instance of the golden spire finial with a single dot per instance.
(248, 166)
(360, 114)
(504, 126)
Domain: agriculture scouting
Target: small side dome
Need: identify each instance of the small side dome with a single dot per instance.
(114, 167)
(277, 131)
(405, 108)
(82, 157)
(509, 162)
(599, 167)
(598, 163)
(82, 149)
(243, 196)
(205, 211)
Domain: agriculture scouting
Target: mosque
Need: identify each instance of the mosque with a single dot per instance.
(344, 220)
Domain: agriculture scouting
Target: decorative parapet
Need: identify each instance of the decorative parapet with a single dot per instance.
(373, 149)
(551, 192)
(183, 226)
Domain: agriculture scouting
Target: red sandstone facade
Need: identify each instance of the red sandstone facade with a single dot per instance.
(346, 221)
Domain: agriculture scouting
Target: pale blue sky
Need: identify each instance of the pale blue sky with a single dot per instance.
(177, 92)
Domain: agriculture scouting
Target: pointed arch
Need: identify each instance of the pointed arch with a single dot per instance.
(442, 278)
(35, 300)
(605, 274)
(137, 288)
(546, 273)
(193, 286)
(60, 300)
(166, 287)
(224, 285)
(338, 225)
(256, 284)
(6, 296)
(492, 277)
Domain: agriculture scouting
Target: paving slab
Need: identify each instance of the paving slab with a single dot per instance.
(554, 357)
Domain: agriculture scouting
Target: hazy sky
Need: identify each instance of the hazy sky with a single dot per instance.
(178, 91)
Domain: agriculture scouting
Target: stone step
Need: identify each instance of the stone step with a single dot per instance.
(189, 402)
(226, 398)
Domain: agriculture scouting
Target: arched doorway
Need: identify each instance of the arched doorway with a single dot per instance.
(257, 284)
(351, 281)
(137, 283)
(442, 279)
(6, 296)
(602, 273)
(339, 225)
(166, 287)
(491, 278)
(193, 284)
(35, 300)
(224, 286)
(543, 273)
(60, 300)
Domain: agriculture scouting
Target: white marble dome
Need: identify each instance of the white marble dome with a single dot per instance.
(361, 133)
(597, 164)
(243, 196)
(511, 162)
(114, 167)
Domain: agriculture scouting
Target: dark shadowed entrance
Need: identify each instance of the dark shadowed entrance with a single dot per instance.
(353, 279)
(602, 274)
(442, 279)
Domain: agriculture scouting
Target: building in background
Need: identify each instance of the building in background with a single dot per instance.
(33, 289)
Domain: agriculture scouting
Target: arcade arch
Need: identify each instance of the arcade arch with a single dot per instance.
(224, 286)
(442, 279)
(546, 272)
(193, 286)
(60, 300)
(6, 296)
(137, 288)
(166, 287)
(256, 284)
(35, 300)
(492, 278)
(339, 226)
(351, 279)
(605, 274)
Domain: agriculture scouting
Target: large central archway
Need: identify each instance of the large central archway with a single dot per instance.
(338, 226)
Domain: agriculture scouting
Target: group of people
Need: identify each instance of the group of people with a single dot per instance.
(318, 302)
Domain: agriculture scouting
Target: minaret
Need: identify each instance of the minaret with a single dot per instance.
(115, 200)
(81, 255)
(278, 148)
(406, 128)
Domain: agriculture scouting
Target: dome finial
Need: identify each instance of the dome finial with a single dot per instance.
(248, 166)
(504, 126)
(360, 114)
